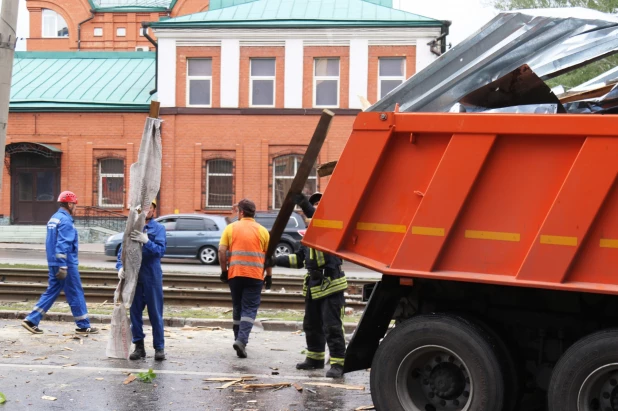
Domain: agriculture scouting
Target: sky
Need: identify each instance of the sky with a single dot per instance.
(467, 16)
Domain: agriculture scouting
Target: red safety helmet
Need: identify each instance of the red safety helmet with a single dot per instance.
(67, 197)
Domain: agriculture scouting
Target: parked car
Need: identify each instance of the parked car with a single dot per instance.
(188, 236)
(290, 240)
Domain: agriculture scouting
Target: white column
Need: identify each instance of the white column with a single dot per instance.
(230, 72)
(293, 84)
(359, 71)
(166, 82)
(424, 56)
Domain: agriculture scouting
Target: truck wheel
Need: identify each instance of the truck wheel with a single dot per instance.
(437, 362)
(586, 376)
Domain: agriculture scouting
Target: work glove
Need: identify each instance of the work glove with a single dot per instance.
(62, 273)
(223, 276)
(268, 282)
(139, 237)
(269, 262)
(121, 273)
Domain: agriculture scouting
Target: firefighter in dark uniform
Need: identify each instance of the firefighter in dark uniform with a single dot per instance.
(323, 289)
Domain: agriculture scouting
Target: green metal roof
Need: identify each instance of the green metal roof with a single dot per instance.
(131, 5)
(299, 13)
(82, 81)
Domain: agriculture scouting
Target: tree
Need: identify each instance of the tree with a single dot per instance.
(582, 74)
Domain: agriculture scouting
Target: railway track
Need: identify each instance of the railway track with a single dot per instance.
(178, 289)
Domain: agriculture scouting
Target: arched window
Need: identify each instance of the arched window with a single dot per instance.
(219, 183)
(111, 182)
(54, 24)
(284, 170)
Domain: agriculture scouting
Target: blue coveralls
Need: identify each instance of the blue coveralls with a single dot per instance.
(149, 289)
(61, 246)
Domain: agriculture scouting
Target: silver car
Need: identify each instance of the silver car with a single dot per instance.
(188, 236)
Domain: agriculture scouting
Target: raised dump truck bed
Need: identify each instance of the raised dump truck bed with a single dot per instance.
(498, 238)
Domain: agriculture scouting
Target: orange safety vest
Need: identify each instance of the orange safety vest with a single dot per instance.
(245, 251)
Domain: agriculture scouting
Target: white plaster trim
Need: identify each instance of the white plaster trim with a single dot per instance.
(166, 82)
(424, 56)
(293, 84)
(230, 72)
(359, 71)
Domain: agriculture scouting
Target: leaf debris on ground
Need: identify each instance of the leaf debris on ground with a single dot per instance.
(70, 365)
(2, 398)
(68, 349)
(40, 359)
(147, 376)
(129, 379)
(298, 387)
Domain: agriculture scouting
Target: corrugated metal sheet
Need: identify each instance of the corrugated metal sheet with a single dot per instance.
(68, 80)
(300, 13)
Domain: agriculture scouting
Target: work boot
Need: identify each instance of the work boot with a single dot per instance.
(240, 349)
(139, 352)
(336, 371)
(31, 327)
(159, 354)
(310, 364)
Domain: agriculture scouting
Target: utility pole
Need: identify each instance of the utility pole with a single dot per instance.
(8, 40)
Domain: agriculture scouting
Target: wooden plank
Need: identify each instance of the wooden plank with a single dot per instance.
(309, 159)
(154, 109)
(326, 169)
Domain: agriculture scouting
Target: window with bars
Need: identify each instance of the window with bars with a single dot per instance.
(284, 170)
(262, 82)
(54, 24)
(199, 82)
(219, 183)
(111, 182)
(326, 82)
(391, 73)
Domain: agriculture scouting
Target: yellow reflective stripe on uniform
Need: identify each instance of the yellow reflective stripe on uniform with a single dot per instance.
(338, 361)
(334, 283)
(248, 254)
(320, 258)
(311, 253)
(315, 355)
(305, 284)
(293, 261)
(328, 291)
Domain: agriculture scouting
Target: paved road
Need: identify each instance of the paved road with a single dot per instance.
(90, 257)
(32, 367)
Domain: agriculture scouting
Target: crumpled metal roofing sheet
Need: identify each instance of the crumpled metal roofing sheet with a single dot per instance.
(548, 45)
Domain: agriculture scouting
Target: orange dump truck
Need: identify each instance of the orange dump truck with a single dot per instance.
(497, 237)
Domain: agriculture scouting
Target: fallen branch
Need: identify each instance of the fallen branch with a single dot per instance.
(266, 386)
(343, 386)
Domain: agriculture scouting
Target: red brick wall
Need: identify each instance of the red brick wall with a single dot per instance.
(251, 141)
(246, 54)
(310, 53)
(375, 52)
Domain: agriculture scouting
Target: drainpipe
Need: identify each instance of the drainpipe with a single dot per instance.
(79, 29)
(444, 31)
(440, 48)
(145, 26)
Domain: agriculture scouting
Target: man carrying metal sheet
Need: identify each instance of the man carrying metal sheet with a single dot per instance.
(149, 289)
(323, 289)
(61, 246)
(245, 242)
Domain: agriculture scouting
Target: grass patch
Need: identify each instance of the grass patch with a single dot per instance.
(218, 313)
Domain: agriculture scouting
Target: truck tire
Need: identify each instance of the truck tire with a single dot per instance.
(586, 376)
(437, 362)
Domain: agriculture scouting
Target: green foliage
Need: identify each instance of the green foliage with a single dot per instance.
(585, 73)
(147, 376)
(606, 6)
(2, 398)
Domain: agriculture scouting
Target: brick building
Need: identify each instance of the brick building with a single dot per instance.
(241, 85)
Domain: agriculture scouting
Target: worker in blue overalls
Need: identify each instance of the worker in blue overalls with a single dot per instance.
(149, 288)
(61, 246)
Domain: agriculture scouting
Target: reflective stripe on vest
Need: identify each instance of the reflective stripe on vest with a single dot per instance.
(246, 256)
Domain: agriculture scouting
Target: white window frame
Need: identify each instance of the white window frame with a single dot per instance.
(124, 32)
(380, 78)
(101, 175)
(97, 32)
(208, 174)
(142, 31)
(273, 78)
(316, 78)
(189, 78)
(56, 14)
(297, 161)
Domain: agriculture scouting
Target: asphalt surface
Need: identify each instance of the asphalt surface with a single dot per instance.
(78, 374)
(89, 256)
